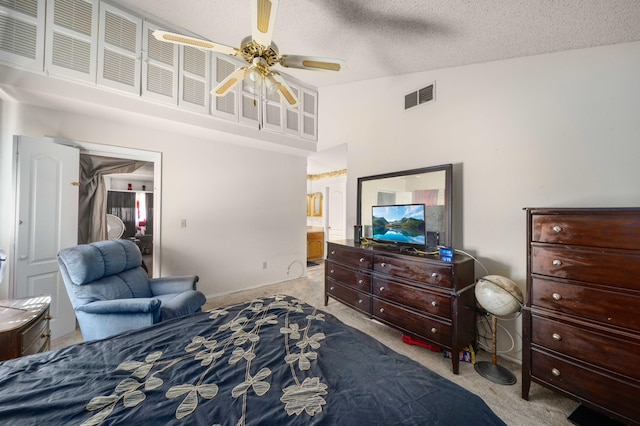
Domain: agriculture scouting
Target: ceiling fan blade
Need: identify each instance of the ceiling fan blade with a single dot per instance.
(230, 82)
(283, 88)
(313, 63)
(194, 42)
(263, 18)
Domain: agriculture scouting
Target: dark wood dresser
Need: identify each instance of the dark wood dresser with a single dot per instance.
(418, 295)
(581, 323)
(24, 326)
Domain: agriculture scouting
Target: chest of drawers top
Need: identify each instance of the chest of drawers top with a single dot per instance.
(422, 269)
(606, 228)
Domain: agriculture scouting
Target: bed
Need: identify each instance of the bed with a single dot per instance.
(273, 360)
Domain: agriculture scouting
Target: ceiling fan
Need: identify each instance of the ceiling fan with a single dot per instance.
(260, 52)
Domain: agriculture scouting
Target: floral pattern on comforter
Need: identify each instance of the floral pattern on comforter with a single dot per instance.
(273, 360)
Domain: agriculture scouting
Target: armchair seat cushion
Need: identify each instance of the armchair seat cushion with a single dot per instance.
(176, 305)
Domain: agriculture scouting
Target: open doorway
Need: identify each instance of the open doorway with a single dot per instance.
(145, 182)
(130, 207)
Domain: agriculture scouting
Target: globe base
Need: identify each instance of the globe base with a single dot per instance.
(496, 373)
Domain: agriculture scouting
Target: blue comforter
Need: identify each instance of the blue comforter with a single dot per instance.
(270, 361)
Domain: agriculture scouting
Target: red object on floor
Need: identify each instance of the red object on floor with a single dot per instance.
(413, 341)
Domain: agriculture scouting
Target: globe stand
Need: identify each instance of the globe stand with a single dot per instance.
(491, 370)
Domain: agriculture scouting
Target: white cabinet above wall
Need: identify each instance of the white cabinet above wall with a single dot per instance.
(22, 28)
(101, 44)
(71, 40)
(119, 49)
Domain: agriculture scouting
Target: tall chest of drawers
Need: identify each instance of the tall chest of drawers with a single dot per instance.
(581, 322)
(418, 295)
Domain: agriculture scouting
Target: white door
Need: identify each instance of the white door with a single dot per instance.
(337, 220)
(47, 221)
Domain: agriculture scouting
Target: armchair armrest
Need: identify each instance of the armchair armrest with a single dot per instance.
(166, 285)
(121, 306)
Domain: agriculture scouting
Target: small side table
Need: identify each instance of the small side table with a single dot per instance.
(24, 326)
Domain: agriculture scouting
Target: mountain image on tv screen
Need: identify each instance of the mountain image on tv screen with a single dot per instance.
(399, 223)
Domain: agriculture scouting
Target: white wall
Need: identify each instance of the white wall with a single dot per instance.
(561, 129)
(243, 206)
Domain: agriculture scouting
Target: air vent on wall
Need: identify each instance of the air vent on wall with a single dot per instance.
(421, 96)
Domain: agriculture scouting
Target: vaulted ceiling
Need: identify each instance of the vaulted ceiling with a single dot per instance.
(384, 38)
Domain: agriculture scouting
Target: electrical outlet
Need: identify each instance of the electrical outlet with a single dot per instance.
(183, 223)
(264, 265)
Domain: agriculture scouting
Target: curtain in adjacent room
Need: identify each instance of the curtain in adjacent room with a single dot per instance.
(92, 222)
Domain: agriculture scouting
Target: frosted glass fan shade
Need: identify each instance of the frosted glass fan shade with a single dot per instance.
(115, 227)
(498, 295)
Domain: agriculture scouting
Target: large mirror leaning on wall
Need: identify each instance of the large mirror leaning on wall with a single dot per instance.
(430, 186)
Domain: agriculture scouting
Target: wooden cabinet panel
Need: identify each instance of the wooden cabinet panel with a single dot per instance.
(419, 295)
(351, 277)
(412, 296)
(421, 271)
(425, 327)
(581, 331)
(24, 326)
(598, 304)
(618, 231)
(598, 389)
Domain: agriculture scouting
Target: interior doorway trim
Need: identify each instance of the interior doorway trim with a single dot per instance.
(132, 154)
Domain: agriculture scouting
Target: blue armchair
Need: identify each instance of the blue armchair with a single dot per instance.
(111, 292)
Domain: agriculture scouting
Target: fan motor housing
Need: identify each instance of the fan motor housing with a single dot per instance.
(251, 49)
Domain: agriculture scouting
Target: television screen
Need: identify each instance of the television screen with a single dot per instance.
(400, 224)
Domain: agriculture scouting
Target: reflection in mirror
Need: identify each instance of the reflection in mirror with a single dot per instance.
(316, 204)
(430, 186)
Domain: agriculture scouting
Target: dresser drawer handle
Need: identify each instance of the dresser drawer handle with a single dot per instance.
(359, 281)
(557, 229)
(556, 337)
(331, 288)
(555, 372)
(333, 252)
(46, 335)
(435, 276)
(433, 330)
(557, 262)
(48, 318)
(556, 296)
(381, 288)
(384, 265)
(361, 259)
(332, 271)
(381, 310)
(434, 303)
(360, 301)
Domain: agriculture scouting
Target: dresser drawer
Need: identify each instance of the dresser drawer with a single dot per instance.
(418, 270)
(426, 327)
(619, 231)
(615, 268)
(412, 296)
(347, 276)
(598, 347)
(36, 336)
(355, 258)
(605, 391)
(348, 295)
(604, 306)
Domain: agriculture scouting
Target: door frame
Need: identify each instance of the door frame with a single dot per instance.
(132, 154)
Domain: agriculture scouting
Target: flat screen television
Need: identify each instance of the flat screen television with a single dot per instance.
(401, 224)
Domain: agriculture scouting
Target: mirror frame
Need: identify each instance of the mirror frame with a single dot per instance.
(448, 191)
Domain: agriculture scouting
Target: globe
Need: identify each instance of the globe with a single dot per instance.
(498, 295)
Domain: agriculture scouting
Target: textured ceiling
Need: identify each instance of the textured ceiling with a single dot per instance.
(384, 38)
